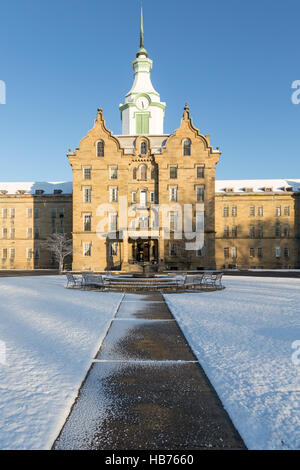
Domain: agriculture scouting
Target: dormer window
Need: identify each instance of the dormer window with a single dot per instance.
(268, 189)
(248, 190)
(187, 147)
(100, 148)
(143, 148)
(39, 192)
(228, 190)
(57, 191)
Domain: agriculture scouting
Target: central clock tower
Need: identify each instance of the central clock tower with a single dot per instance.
(142, 112)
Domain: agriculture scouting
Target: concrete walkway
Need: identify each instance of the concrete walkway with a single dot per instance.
(146, 390)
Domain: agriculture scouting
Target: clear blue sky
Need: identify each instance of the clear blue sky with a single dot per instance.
(234, 61)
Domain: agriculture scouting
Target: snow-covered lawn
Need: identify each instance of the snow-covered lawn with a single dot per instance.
(242, 337)
(51, 335)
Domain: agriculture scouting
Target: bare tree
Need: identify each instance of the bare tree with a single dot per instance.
(60, 246)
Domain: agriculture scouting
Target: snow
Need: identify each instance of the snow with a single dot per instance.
(30, 187)
(51, 335)
(257, 185)
(243, 336)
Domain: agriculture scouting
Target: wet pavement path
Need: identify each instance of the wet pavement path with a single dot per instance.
(146, 390)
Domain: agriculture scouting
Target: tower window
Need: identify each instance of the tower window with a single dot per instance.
(134, 173)
(100, 148)
(143, 148)
(143, 172)
(186, 147)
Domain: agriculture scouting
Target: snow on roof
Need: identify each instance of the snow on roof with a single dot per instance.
(258, 186)
(32, 187)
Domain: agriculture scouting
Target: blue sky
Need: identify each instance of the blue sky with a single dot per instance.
(233, 61)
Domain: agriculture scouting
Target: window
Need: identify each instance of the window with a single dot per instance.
(277, 252)
(36, 213)
(234, 231)
(225, 211)
(113, 172)
(226, 231)
(143, 148)
(278, 211)
(36, 253)
(4, 253)
(186, 147)
(286, 210)
(233, 252)
(234, 211)
(100, 148)
(87, 249)
(12, 233)
(12, 253)
(87, 194)
(87, 222)
(144, 222)
(143, 172)
(28, 254)
(4, 233)
(36, 233)
(133, 197)
(113, 249)
(29, 212)
(252, 231)
(173, 221)
(259, 252)
(53, 213)
(12, 213)
(260, 231)
(251, 253)
(61, 212)
(152, 196)
(29, 232)
(226, 252)
(143, 198)
(252, 211)
(200, 193)
(4, 213)
(173, 172)
(134, 173)
(113, 222)
(173, 249)
(277, 230)
(152, 173)
(260, 211)
(200, 171)
(200, 252)
(286, 252)
(173, 194)
(87, 173)
(286, 230)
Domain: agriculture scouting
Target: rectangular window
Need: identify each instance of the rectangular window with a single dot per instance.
(277, 230)
(12, 253)
(29, 232)
(143, 222)
(200, 252)
(286, 210)
(12, 233)
(234, 211)
(152, 198)
(12, 213)
(251, 253)
(113, 194)
(286, 230)
(113, 222)
(36, 253)
(4, 233)
(61, 212)
(252, 211)
(226, 231)
(36, 233)
(234, 231)
(87, 173)
(260, 232)
(173, 249)
(200, 194)
(113, 249)
(36, 213)
(29, 212)
(173, 172)
(87, 194)
(226, 252)
(87, 249)
(173, 194)
(142, 123)
(113, 172)
(173, 221)
(200, 171)
(233, 252)
(28, 254)
(4, 213)
(53, 213)
(4, 253)
(252, 231)
(260, 211)
(87, 222)
(260, 252)
(225, 211)
(286, 252)
(277, 252)
(133, 197)
(278, 211)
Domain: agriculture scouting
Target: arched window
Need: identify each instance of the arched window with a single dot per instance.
(143, 172)
(100, 148)
(134, 173)
(186, 147)
(143, 148)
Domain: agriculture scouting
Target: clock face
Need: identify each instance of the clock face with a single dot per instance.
(142, 102)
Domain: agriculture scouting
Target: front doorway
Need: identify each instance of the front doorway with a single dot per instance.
(144, 251)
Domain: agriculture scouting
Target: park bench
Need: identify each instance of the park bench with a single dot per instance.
(73, 281)
(92, 280)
